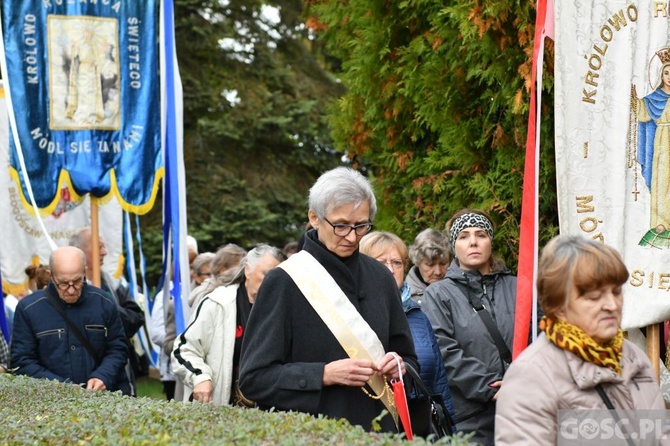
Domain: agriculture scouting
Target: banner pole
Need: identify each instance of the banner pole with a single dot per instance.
(95, 243)
(654, 347)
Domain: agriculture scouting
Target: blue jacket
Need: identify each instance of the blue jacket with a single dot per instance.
(432, 371)
(44, 347)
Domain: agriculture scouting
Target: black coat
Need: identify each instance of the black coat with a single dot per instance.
(287, 345)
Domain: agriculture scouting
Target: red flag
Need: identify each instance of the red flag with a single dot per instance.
(544, 27)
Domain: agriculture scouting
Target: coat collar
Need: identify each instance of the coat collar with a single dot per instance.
(588, 375)
(343, 269)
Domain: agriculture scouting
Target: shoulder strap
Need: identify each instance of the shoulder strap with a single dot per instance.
(84, 341)
(480, 309)
(615, 414)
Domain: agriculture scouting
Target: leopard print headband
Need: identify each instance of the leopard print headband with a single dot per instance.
(470, 220)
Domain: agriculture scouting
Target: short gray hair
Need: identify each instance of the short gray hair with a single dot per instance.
(81, 238)
(201, 260)
(252, 258)
(430, 245)
(338, 187)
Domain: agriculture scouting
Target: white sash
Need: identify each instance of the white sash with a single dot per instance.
(353, 333)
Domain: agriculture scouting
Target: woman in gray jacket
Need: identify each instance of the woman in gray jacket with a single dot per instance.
(476, 280)
(582, 360)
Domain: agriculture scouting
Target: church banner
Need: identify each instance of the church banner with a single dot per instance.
(21, 238)
(612, 118)
(83, 80)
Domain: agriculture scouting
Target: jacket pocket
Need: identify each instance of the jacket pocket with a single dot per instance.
(97, 335)
(97, 329)
(46, 334)
(52, 344)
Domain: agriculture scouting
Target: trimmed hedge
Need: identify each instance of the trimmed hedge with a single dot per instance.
(34, 411)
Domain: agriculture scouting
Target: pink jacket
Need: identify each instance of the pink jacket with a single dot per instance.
(545, 379)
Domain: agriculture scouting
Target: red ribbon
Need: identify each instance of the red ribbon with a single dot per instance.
(401, 405)
(401, 401)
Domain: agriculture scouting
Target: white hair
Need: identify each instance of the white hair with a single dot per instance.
(338, 187)
(191, 242)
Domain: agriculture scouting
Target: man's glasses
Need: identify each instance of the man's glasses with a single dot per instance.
(343, 230)
(64, 286)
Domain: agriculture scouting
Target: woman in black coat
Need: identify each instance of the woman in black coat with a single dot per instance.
(291, 360)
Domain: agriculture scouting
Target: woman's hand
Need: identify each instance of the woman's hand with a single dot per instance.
(496, 384)
(203, 391)
(388, 366)
(348, 372)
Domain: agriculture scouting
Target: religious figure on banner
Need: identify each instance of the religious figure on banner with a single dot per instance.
(83, 60)
(85, 84)
(653, 148)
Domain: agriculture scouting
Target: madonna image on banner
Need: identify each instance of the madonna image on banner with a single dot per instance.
(653, 148)
(83, 73)
(612, 125)
(82, 79)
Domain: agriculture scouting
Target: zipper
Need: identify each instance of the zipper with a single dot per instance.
(489, 302)
(58, 331)
(97, 328)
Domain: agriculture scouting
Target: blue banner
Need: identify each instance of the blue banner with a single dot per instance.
(83, 78)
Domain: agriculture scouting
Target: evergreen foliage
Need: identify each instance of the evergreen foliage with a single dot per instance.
(37, 411)
(436, 108)
(255, 132)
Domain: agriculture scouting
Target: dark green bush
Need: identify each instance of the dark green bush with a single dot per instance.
(43, 412)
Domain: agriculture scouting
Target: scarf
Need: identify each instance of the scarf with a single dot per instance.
(567, 336)
(405, 294)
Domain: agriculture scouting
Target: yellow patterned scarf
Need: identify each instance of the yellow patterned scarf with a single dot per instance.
(567, 336)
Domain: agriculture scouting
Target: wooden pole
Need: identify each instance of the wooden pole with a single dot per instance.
(95, 244)
(654, 347)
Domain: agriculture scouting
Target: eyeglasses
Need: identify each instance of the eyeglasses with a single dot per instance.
(343, 230)
(394, 263)
(64, 286)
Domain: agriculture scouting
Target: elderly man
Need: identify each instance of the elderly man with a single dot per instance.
(131, 313)
(70, 331)
(327, 330)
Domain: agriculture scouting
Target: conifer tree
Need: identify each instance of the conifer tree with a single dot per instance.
(436, 108)
(255, 132)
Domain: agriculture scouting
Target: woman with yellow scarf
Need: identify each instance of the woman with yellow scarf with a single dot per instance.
(581, 361)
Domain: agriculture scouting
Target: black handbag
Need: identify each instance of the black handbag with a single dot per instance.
(427, 412)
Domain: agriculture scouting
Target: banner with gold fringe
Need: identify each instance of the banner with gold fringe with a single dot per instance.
(82, 80)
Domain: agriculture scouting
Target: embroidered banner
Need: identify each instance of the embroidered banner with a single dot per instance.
(612, 84)
(21, 237)
(84, 85)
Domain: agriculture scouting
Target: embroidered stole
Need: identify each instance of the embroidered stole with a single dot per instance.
(353, 333)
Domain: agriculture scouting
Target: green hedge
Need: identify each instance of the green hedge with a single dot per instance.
(44, 412)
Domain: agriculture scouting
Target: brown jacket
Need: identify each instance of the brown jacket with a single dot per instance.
(545, 379)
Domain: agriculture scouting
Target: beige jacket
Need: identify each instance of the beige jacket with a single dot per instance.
(205, 350)
(545, 379)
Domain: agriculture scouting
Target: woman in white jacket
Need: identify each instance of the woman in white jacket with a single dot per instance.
(206, 355)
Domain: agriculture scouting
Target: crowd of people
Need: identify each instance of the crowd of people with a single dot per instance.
(326, 325)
